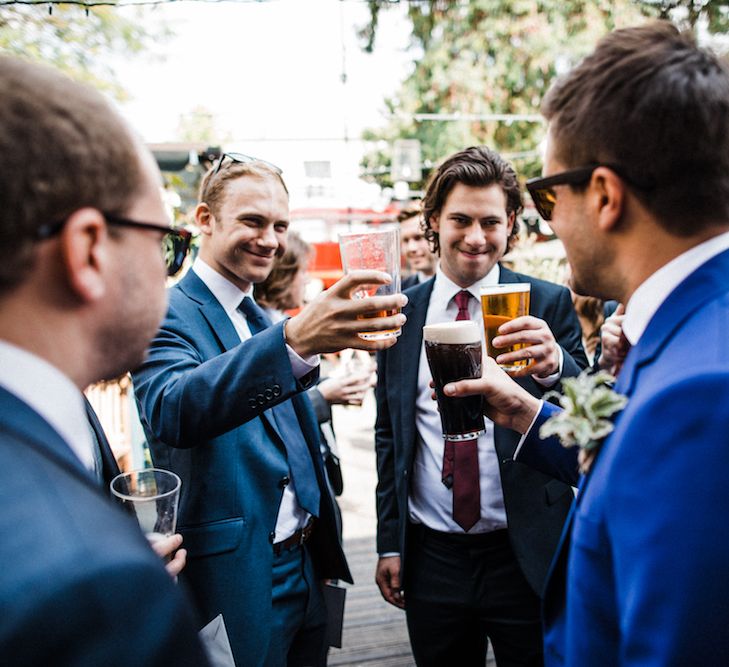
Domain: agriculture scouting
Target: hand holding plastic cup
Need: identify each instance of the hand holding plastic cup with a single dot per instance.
(377, 249)
(153, 494)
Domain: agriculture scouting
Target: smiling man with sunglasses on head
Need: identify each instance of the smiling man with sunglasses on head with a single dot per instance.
(223, 397)
(636, 185)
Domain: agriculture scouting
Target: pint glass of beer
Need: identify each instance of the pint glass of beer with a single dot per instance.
(453, 350)
(501, 303)
(377, 249)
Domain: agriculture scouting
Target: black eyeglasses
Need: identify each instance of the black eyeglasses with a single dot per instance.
(175, 242)
(245, 159)
(545, 197)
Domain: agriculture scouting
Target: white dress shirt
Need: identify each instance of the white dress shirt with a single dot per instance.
(51, 394)
(291, 516)
(430, 502)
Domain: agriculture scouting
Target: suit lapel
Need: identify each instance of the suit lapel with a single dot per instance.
(19, 418)
(409, 347)
(220, 324)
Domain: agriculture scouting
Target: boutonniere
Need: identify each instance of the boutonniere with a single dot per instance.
(589, 403)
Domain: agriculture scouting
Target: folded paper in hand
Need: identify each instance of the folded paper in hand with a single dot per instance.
(214, 638)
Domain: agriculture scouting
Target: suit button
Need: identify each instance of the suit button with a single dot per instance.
(404, 473)
(268, 394)
(252, 403)
(284, 482)
(260, 399)
(271, 537)
(276, 390)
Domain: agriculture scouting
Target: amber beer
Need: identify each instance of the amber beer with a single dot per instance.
(377, 249)
(453, 350)
(502, 303)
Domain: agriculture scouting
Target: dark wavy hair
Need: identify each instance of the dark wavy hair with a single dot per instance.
(477, 166)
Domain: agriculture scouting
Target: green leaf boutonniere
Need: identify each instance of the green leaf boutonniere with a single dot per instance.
(589, 402)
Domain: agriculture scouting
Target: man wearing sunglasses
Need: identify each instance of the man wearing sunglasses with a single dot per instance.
(222, 394)
(81, 295)
(463, 584)
(637, 187)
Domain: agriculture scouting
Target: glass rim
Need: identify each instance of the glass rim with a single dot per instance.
(435, 327)
(505, 288)
(381, 229)
(142, 499)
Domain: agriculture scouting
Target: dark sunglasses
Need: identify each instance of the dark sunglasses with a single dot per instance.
(175, 242)
(545, 197)
(245, 159)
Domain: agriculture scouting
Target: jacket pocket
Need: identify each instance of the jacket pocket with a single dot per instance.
(216, 537)
(554, 490)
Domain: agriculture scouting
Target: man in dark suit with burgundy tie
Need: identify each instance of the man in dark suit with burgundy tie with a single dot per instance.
(459, 580)
(222, 396)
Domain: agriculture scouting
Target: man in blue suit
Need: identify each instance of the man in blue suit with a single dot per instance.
(637, 186)
(461, 583)
(81, 294)
(222, 395)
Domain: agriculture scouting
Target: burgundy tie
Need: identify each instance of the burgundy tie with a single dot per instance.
(460, 460)
(625, 344)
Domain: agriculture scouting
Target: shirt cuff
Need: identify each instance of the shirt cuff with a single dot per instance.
(299, 365)
(554, 377)
(389, 554)
(531, 426)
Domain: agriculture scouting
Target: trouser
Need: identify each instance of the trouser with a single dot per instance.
(298, 632)
(463, 590)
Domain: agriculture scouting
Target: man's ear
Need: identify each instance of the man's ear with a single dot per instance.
(510, 223)
(204, 218)
(84, 243)
(435, 222)
(608, 197)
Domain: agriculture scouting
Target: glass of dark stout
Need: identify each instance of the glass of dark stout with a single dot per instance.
(453, 350)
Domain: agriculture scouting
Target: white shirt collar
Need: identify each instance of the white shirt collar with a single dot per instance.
(51, 394)
(649, 296)
(228, 294)
(445, 289)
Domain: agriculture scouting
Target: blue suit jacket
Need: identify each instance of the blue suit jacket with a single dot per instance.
(206, 402)
(536, 505)
(79, 585)
(642, 574)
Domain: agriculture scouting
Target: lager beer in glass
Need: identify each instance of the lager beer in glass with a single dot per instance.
(453, 350)
(377, 249)
(502, 303)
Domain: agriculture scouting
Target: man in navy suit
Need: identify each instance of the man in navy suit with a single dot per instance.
(222, 395)
(415, 247)
(461, 584)
(637, 186)
(81, 294)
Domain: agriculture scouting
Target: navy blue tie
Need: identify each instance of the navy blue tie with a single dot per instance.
(297, 452)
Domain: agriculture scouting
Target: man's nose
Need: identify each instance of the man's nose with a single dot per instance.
(475, 235)
(267, 237)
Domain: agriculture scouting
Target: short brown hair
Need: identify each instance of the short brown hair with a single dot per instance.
(214, 182)
(273, 291)
(656, 106)
(477, 166)
(63, 148)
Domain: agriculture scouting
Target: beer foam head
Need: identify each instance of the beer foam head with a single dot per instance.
(505, 288)
(462, 332)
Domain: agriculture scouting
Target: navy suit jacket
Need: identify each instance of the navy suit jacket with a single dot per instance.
(206, 401)
(79, 584)
(642, 573)
(536, 505)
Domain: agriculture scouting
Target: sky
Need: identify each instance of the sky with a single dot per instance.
(267, 69)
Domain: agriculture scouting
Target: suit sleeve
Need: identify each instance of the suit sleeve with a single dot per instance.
(187, 400)
(387, 511)
(548, 455)
(668, 526)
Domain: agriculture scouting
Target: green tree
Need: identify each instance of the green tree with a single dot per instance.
(482, 59)
(80, 42)
(691, 13)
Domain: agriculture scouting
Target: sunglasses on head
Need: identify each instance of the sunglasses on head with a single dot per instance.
(175, 242)
(245, 159)
(545, 197)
